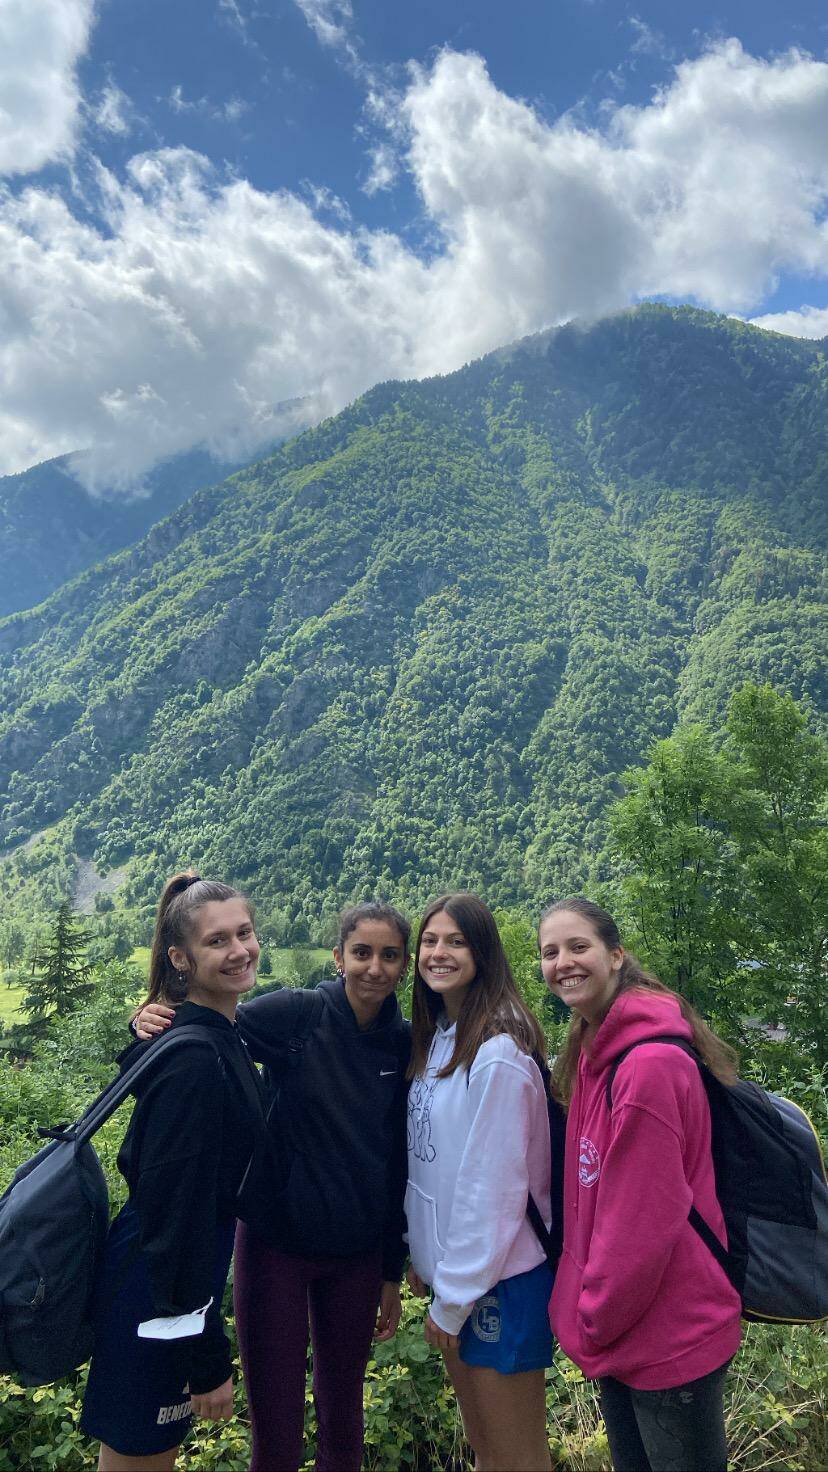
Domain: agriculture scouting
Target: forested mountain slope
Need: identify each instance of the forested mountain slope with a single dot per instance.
(51, 528)
(418, 644)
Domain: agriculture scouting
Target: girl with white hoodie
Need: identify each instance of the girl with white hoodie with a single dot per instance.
(478, 1148)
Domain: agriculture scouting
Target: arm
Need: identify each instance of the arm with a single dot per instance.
(266, 1023)
(643, 1198)
(491, 1191)
(176, 1141)
(394, 1246)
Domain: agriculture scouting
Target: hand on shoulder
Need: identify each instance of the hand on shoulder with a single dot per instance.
(152, 1019)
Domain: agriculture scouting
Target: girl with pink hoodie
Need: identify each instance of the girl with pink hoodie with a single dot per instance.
(639, 1301)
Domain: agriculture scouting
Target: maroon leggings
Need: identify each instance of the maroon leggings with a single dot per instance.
(275, 1296)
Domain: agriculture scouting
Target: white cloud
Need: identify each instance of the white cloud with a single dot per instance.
(41, 42)
(384, 168)
(233, 109)
(804, 322)
(224, 112)
(234, 13)
(330, 20)
(204, 303)
(113, 110)
(647, 42)
(202, 309)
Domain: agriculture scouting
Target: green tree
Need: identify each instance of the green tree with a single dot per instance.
(12, 943)
(64, 980)
(782, 836)
(673, 833)
(726, 853)
(520, 942)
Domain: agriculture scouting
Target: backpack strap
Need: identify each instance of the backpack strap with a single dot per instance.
(307, 1019)
(310, 1004)
(550, 1239)
(711, 1241)
(695, 1218)
(102, 1108)
(661, 1038)
(549, 1244)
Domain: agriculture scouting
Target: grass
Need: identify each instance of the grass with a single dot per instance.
(10, 999)
(288, 963)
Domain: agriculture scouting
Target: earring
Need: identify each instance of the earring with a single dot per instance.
(340, 974)
(182, 978)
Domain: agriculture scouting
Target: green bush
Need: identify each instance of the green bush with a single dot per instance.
(777, 1416)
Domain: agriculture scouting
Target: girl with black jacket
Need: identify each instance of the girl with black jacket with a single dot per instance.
(321, 1249)
(161, 1355)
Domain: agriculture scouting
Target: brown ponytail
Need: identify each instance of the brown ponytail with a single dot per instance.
(181, 897)
(721, 1059)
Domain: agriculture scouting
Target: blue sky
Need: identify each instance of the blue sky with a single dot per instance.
(222, 219)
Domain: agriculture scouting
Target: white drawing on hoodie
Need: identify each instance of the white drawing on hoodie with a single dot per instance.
(420, 1097)
(589, 1163)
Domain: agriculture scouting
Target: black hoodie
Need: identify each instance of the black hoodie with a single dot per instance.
(337, 1182)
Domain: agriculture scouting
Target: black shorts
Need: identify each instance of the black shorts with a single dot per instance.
(137, 1398)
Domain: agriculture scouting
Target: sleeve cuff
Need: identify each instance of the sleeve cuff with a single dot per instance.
(393, 1264)
(210, 1363)
(449, 1316)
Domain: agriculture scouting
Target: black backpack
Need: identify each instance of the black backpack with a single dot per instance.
(54, 1219)
(772, 1188)
(551, 1241)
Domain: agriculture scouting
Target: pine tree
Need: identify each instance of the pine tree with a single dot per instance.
(64, 979)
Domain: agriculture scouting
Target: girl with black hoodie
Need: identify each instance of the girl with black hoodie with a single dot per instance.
(321, 1250)
(161, 1355)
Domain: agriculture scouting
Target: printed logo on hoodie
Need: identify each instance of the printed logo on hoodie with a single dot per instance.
(589, 1163)
(420, 1100)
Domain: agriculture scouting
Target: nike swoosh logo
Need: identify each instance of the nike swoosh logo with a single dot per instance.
(385, 1072)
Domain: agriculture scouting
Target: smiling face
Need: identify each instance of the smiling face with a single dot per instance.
(445, 961)
(577, 966)
(373, 958)
(221, 955)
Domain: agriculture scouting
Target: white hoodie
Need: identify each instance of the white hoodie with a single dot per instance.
(478, 1143)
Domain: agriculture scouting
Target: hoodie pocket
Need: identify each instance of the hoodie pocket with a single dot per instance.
(423, 1239)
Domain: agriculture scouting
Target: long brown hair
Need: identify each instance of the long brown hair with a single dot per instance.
(492, 1004)
(181, 898)
(721, 1059)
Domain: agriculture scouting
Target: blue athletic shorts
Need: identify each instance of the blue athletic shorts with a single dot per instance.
(508, 1328)
(137, 1398)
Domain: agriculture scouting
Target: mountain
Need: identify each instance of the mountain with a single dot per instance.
(51, 528)
(417, 645)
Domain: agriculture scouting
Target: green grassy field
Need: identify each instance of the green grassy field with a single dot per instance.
(10, 999)
(287, 962)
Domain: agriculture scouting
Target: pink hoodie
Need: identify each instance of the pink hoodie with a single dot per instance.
(637, 1294)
